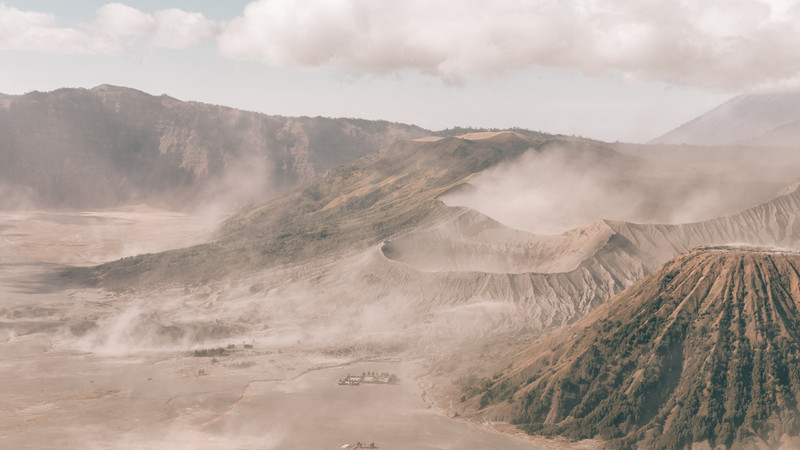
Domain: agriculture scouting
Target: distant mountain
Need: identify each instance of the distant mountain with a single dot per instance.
(109, 145)
(704, 349)
(770, 119)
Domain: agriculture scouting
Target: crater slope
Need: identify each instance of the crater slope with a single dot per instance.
(472, 242)
(377, 224)
(553, 280)
(704, 349)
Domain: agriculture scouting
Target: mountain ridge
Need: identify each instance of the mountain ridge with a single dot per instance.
(136, 147)
(346, 212)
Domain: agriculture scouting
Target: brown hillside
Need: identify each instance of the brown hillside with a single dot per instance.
(707, 348)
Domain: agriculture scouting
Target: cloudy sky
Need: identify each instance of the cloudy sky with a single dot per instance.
(609, 69)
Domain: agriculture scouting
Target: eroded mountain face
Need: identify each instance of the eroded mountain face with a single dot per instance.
(110, 145)
(704, 349)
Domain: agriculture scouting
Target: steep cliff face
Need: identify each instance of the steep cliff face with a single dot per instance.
(111, 145)
(704, 349)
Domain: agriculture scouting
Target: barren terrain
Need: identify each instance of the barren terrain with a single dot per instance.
(89, 368)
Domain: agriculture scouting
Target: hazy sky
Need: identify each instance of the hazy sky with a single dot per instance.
(608, 69)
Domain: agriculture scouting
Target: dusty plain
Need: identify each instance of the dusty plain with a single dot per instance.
(88, 368)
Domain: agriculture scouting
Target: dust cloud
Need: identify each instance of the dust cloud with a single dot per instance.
(17, 198)
(208, 365)
(558, 188)
(249, 179)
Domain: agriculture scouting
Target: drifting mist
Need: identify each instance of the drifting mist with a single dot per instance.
(558, 188)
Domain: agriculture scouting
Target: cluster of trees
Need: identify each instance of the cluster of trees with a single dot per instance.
(219, 351)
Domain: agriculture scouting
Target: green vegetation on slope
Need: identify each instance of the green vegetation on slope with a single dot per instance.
(705, 349)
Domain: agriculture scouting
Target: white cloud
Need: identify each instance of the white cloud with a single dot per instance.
(180, 29)
(116, 29)
(168, 28)
(37, 32)
(116, 19)
(721, 43)
(726, 44)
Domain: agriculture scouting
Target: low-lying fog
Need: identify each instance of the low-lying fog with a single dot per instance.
(247, 363)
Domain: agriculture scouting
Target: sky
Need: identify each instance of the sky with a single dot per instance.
(614, 70)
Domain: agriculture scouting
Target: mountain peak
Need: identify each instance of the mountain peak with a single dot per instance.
(771, 118)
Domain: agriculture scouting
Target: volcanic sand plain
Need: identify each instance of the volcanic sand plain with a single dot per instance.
(89, 368)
